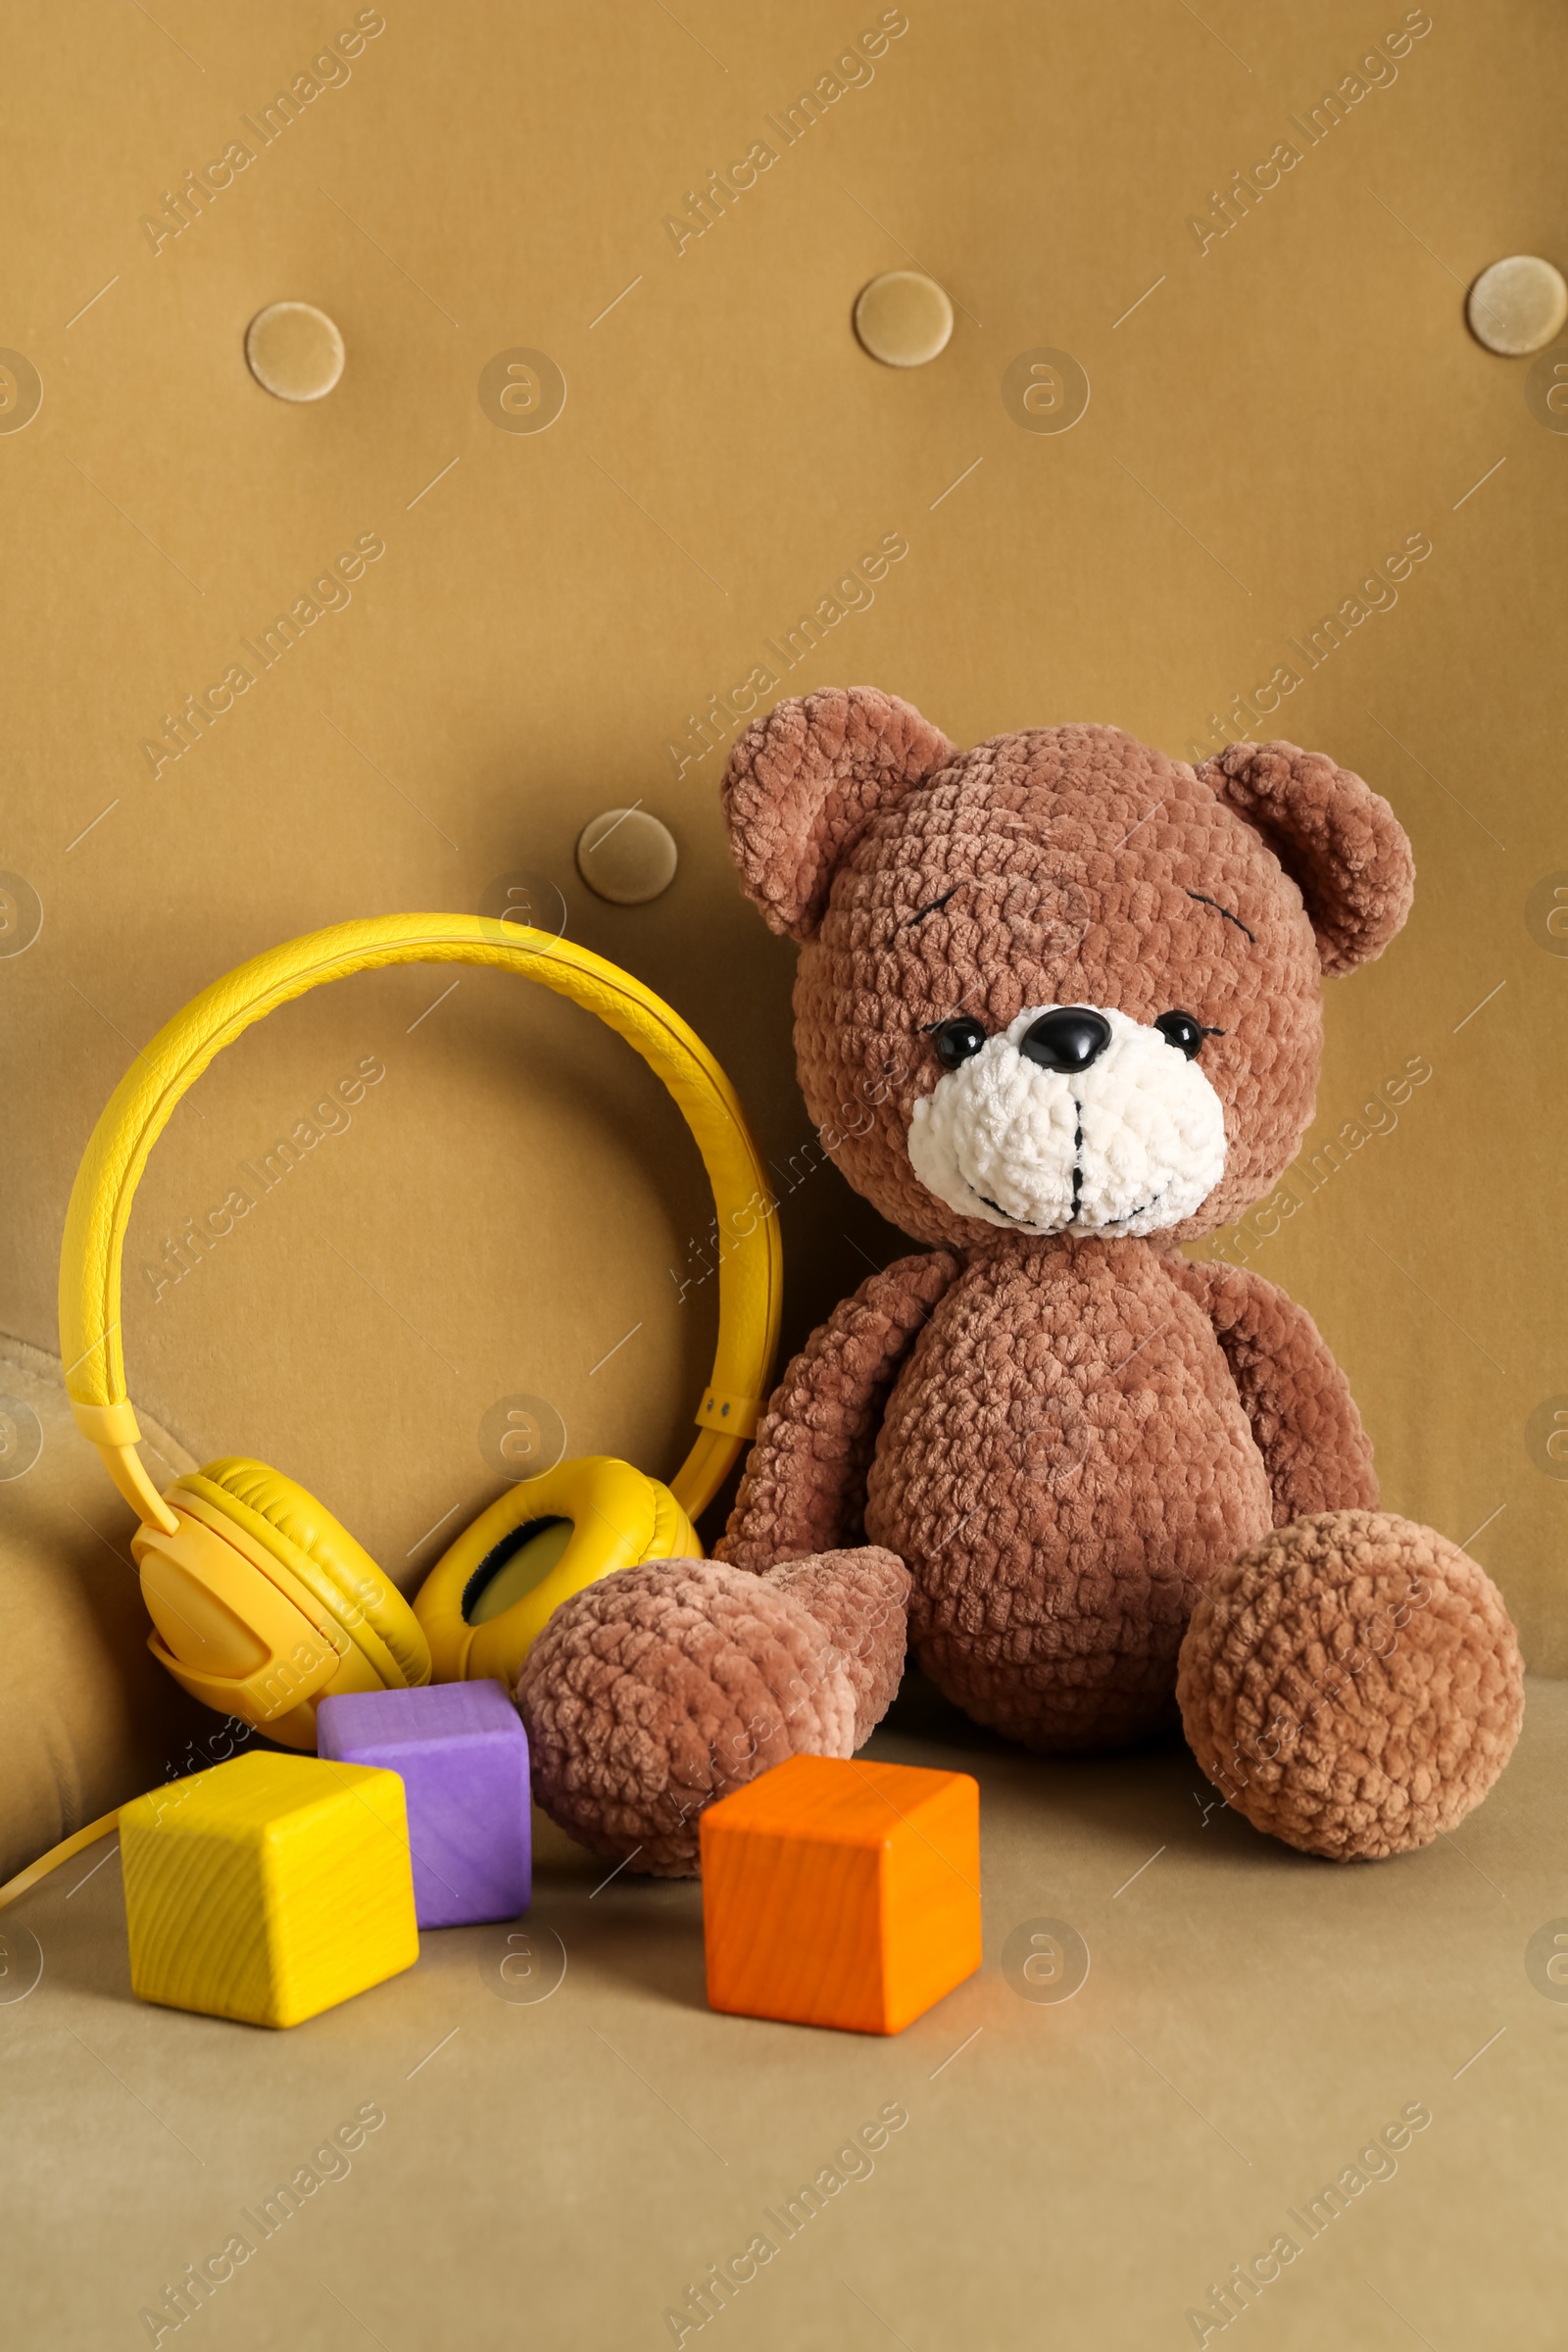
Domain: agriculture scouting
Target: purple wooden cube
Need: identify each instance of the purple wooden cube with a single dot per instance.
(463, 1755)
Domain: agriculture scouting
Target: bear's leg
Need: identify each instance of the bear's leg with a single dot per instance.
(661, 1687)
(1352, 1684)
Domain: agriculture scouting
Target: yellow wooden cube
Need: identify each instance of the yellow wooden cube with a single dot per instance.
(269, 1889)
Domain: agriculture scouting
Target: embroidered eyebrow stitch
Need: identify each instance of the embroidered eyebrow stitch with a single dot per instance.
(1224, 911)
(921, 912)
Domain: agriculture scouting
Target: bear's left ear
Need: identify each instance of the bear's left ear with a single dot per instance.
(802, 784)
(1337, 839)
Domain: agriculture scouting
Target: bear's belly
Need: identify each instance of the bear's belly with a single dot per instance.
(1062, 1465)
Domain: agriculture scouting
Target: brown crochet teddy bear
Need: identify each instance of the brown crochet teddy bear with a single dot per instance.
(1058, 1011)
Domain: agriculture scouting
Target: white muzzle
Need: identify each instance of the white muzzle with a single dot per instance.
(1131, 1144)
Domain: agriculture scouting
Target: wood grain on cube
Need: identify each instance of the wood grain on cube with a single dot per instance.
(269, 1889)
(461, 1753)
(842, 1893)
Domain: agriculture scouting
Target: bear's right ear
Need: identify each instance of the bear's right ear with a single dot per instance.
(804, 782)
(1339, 841)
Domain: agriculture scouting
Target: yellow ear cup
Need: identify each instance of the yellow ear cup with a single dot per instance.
(262, 1603)
(494, 1589)
(318, 1550)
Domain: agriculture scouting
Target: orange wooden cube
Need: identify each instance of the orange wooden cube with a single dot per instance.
(842, 1893)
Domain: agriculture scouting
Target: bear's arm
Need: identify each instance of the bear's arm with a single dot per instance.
(1317, 1455)
(804, 1488)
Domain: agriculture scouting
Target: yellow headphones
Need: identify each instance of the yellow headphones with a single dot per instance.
(262, 1602)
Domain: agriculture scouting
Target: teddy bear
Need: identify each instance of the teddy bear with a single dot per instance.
(1058, 1011)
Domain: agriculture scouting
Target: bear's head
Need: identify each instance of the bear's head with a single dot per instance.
(1057, 984)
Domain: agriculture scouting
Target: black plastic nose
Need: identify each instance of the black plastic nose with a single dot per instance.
(1068, 1039)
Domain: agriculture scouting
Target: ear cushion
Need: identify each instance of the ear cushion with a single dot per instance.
(304, 1535)
(618, 1517)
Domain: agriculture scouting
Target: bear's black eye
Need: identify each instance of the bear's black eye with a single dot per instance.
(1181, 1031)
(958, 1042)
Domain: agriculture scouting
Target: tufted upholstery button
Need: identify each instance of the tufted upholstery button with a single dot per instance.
(294, 350)
(902, 318)
(1517, 306)
(626, 856)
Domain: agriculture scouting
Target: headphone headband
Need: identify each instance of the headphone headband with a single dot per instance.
(141, 1105)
